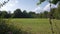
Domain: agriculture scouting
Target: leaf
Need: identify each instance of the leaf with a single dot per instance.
(55, 1)
(40, 1)
(1, 5)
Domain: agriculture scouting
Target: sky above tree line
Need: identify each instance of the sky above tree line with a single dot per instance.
(29, 5)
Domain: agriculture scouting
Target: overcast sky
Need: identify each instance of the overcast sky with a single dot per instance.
(29, 5)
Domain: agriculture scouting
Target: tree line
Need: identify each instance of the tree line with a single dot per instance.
(24, 14)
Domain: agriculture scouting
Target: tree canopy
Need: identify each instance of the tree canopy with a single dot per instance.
(53, 1)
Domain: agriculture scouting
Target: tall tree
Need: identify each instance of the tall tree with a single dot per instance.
(25, 15)
(57, 12)
(50, 1)
(17, 13)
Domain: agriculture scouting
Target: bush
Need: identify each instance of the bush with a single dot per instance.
(5, 29)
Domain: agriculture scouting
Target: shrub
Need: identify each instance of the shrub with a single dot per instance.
(5, 29)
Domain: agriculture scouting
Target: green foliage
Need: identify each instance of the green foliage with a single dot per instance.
(52, 12)
(25, 14)
(32, 14)
(53, 1)
(57, 12)
(4, 14)
(45, 14)
(9, 29)
(17, 13)
(40, 1)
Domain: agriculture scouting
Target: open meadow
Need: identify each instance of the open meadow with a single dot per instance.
(36, 26)
(29, 16)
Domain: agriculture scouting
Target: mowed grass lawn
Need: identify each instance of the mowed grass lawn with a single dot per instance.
(36, 26)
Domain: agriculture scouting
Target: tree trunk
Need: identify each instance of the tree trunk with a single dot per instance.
(50, 18)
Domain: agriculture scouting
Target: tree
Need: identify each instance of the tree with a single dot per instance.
(1, 5)
(4, 14)
(0, 14)
(25, 15)
(53, 1)
(53, 10)
(45, 14)
(32, 14)
(17, 13)
(57, 12)
(50, 15)
(41, 15)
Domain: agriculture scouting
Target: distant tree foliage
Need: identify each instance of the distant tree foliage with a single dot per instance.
(24, 14)
(17, 13)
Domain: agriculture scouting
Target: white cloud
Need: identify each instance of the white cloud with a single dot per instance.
(3, 8)
(0, 2)
(47, 7)
(37, 10)
(16, 1)
(11, 5)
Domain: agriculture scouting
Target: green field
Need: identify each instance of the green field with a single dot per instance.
(36, 26)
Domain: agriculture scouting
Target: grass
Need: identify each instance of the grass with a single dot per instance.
(36, 26)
